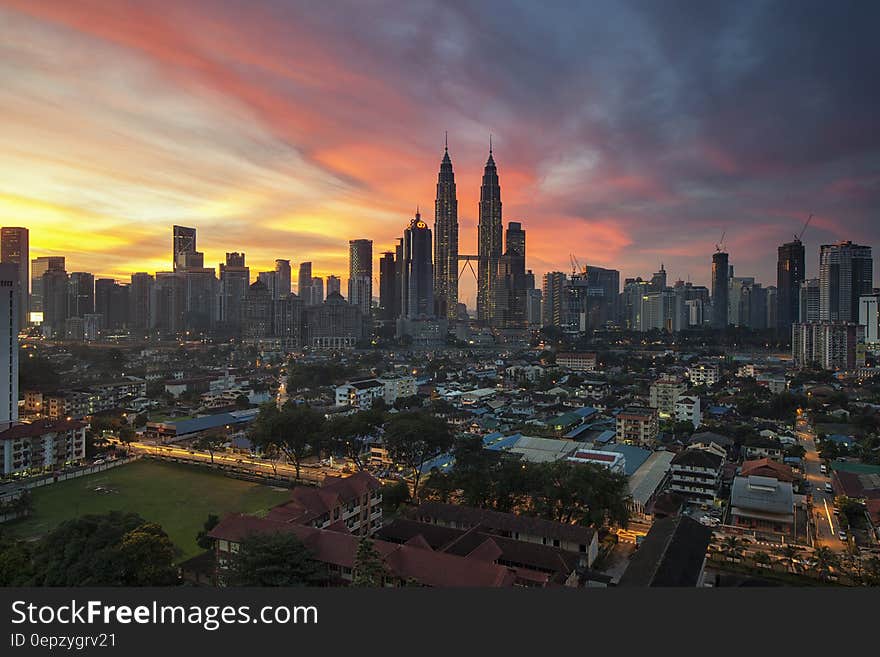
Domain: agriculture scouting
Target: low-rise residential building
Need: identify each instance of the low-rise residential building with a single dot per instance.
(672, 554)
(665, 392)
(362, 394)
(614, 461)
(638, 425)
(703, 374)
(577, 361)
(46, 443)
(687, 409)
(696, 475)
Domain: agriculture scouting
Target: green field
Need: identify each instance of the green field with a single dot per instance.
(178, 497)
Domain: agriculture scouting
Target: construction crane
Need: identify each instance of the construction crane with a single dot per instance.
(721, 243)
(575, 265)
(797, 238)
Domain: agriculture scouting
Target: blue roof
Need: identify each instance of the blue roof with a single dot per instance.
(196, 424)
(605, 437)
(839, 438)
(502, 443)
(719, 410)
(635, 456)
(574, 433)
(585, 412)
(443, 463)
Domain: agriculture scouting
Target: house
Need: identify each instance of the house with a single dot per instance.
(767, 467)
(765, 504)
(362, 394)
(672, 554)
(687, 409)
(762, 447)
(696, 475)
(46, 443)
(572, 538)
(638, 425)
(858, 481)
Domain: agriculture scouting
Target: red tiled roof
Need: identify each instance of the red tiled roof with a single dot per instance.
(767, 467)
(40, 428)
(309, 503)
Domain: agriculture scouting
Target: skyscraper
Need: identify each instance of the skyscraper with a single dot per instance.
(305, 278)
(446, 242)
(282, 281)
(184, 254)
(720, 278)
(360, 274)
(55, 292)
(14, 250)
(235, 278)
(80, 294)
(846, 272)
(388, 304)
(418, 296)
(40, 266)
(334, 285)
(140, 295)
(553, 291)
(111, 303)
(790, 273)
(511, 294)
(808, 310)
(489, 242)
(9, 299)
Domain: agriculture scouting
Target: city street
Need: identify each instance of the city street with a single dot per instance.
(823, 508)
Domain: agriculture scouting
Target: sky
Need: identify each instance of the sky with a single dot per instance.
(626, 133)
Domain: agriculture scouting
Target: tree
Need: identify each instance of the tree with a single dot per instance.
(824, 560)
(347, 433)
(16, 562)
(732, 547)
(277, 559)
(369, 568)
(585, 494)
(761, 558)
(787, 554)
(112, 549)
(242, 402)
(412, 438)
(295, 431)
(202, 539)
(394, 495)
(211, 441)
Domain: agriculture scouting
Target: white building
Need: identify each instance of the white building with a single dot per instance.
(665, 391)
(362, 394)
(579, 362)
(42, 444)
(869, 317)
(687, 409)
(703, 374)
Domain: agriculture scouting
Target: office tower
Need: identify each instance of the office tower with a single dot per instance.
(334, 285)
(10, 297)
(791, 270)
(720, 277)
(489, 245)
(305, 278)
(869, 317)
(257, 309)
(736, 293)
(201, 292)
(511, 292)
(591, 298)
(360, 274)
(387, 302)
(14, 250)
(553, 295)
(808, 310)
(81, 294)
(772, 294)
(54, 287)
(334, 324)
(533, 308)
(168, 303)
(658, 280)
(315, 292)
(111, 304)
(270, 280)
(418, 295)
(846, 272)
(282, 278)
(140, 297)
(287, 320)
(446, 241)
(184, 254)
(235, 278)
(40, 266)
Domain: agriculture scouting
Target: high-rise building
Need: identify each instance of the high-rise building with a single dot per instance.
(790, 273)
(334, 285)
(808, 307)
(282, 278)
(720, 277)
(40, 266)
(846, 273)
(360, 274)
(446, 242)
(510, 305)
(418, 293)
(14, 250)
(829, 345)
(10, 297)
(334, 324)
(869, 318)
(489, 243)
(111, 304)
(270, 280)
(591, 298)
(388, 303)
(54, 288)
(80, 294)
(553, 298)
(305, 278)
(201, 292)
(315, 292)
(140, 297)
(184, 254)
(257, 310)
(235, 278)
(168, 303)
(658, 280)
(288, 320)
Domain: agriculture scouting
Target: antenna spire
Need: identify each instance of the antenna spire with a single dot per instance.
(446, 141)
(490, 143)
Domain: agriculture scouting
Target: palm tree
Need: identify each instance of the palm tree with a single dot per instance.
(732, 547)
(824, 560)
(787, 553)
(761, 558)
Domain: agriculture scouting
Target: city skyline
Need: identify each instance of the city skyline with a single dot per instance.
(636, 156)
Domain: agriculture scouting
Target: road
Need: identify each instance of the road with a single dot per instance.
(823, 516)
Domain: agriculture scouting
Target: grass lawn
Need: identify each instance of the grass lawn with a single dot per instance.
(178, 497)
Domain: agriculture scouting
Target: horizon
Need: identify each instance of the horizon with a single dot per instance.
(636, 134)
